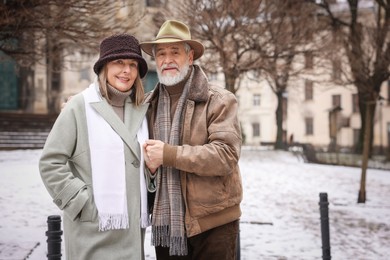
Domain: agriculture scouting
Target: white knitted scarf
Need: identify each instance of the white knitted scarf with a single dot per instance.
(108, 168)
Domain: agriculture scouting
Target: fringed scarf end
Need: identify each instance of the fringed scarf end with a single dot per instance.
(110, 222)
(145, 220)
(178, 246)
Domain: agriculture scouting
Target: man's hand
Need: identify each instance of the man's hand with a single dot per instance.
(153, 154)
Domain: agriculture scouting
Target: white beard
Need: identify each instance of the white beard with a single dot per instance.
(169, 80)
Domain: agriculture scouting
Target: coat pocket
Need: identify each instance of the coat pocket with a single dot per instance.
(89, 211)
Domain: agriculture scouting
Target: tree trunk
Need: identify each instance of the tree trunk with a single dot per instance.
(363, 108)
(388, 154)
(49, 74)
(279, 144)
(369, 113)
(230, 82)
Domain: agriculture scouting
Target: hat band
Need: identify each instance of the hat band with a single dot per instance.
(171, 36)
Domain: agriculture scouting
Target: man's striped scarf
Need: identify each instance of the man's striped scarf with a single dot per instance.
(168, 213)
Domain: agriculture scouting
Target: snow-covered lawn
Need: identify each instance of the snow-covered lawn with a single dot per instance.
(280, 219)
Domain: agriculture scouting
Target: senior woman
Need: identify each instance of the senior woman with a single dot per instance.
(92, 163)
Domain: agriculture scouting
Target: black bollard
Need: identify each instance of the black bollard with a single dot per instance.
(238, 247)
(54, 240)
(325, 226)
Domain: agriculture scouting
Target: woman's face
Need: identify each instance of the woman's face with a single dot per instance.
(122, 73)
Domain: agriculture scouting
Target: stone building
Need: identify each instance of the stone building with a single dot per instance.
(325, 115)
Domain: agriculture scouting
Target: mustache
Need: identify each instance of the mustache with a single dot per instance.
(169, 66)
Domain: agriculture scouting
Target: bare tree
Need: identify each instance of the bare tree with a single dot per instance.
(363, 29)
(243, 36)
(45, 31)
(73, 23)
(226, 29)
(285, 34)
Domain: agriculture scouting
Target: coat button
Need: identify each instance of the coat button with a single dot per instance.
(136, 164)
(58, 202)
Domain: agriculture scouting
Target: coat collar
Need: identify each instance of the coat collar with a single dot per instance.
(132, 121)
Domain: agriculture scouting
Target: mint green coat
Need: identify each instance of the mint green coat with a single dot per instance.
(66, 172)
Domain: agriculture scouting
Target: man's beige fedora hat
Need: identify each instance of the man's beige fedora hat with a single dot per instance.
(174, 31)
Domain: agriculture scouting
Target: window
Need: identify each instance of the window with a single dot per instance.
(255, 74)
(309, 33)
(40, 83)
(388, 92)
(336, 70)
(356, 133)
(255, 129)
(388, 134)
(308, 60)
(56, 70)
(284, 108)
(256, 100)
(238, 99)
(213, 76)
(84, 74)
(309, 125)
(154, 3)
(345, 122)
(308, 90)
(355, 103)
(336, 100)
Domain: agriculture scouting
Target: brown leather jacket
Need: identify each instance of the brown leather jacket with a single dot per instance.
(208, 155)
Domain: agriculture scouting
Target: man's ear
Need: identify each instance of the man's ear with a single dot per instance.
(191, 57)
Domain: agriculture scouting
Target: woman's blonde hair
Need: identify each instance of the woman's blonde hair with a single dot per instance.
(137, 95)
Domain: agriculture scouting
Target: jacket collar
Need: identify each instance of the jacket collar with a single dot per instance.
(198, 91)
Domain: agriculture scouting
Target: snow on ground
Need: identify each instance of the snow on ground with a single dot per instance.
(280, 220)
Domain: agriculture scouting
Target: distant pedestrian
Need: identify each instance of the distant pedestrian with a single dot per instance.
(291, 140)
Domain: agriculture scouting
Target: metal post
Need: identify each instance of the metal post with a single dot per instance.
(54, 240)
(325, 226)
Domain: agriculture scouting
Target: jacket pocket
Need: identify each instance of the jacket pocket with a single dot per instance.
(207, 193)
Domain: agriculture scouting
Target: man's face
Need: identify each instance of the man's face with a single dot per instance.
(172, 62)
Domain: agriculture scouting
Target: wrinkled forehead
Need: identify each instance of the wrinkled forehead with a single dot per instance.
(169, 46)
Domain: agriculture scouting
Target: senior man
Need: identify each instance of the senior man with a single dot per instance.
(193, 153)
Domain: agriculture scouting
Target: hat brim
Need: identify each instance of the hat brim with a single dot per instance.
(198, 47)
(142, 66)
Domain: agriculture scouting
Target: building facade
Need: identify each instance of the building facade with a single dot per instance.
(321, 115)
(325, 115)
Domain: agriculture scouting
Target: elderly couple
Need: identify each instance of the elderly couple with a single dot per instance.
(118, 161)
